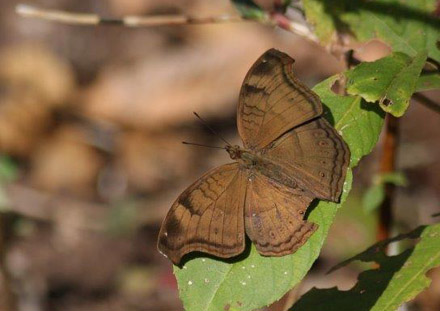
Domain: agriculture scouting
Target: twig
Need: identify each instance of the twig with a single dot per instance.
(84, 19)
(129, 21)
(300, 29)
(427, 102)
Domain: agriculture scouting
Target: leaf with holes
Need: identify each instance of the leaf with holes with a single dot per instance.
(407, 26)
(390, 80)
(397, 280)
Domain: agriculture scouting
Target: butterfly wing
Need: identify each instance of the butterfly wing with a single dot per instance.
(315, 156)
(274, 217)
(207, 217)
(272, 101)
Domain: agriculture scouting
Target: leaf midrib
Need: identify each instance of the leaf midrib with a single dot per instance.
(347, 112)
(217, 288)
(393, 79)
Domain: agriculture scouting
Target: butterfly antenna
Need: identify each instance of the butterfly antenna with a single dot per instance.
(211, 129)
(201, 145)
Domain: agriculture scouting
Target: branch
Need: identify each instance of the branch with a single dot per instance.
(300, 29)
(427, 102)
(85, 19)
(129, 21)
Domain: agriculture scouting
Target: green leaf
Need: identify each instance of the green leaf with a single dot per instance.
(8, 173)
(375, 194)
(390, 80)
(408, 26)
(395, 178)
(317, 15)
(373, 197)
(255, 281)
(359, 123)
(249, 10)
(4, 201)
(398, 279)
(8, 169)
(428, 82)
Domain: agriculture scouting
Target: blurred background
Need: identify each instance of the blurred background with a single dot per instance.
(91, 124)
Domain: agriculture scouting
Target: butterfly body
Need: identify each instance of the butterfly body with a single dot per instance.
(246, 158)
(252, 162)
(291, 155)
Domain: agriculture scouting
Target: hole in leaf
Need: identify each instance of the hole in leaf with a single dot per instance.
(336, 87)
(386, 102)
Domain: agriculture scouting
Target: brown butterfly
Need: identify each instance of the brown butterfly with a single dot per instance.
(291, 156)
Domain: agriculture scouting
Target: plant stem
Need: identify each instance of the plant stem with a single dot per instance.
(10, 302)
(388, 165)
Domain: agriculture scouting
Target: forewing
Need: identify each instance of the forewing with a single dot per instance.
(315, 156)
(272, 100)
(274, 217)
(207, 217)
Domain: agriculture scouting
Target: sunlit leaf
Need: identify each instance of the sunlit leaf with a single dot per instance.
(390, 80)
(407, 26)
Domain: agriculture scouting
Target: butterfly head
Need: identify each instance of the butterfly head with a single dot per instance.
(234, 151)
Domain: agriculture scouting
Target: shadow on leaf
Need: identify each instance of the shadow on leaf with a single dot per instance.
(394, 10)
(371, 283)
(232, 260)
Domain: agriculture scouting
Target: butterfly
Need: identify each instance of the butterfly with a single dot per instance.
(291, 156)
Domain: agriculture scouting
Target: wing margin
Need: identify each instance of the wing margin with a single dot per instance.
(207, 217)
